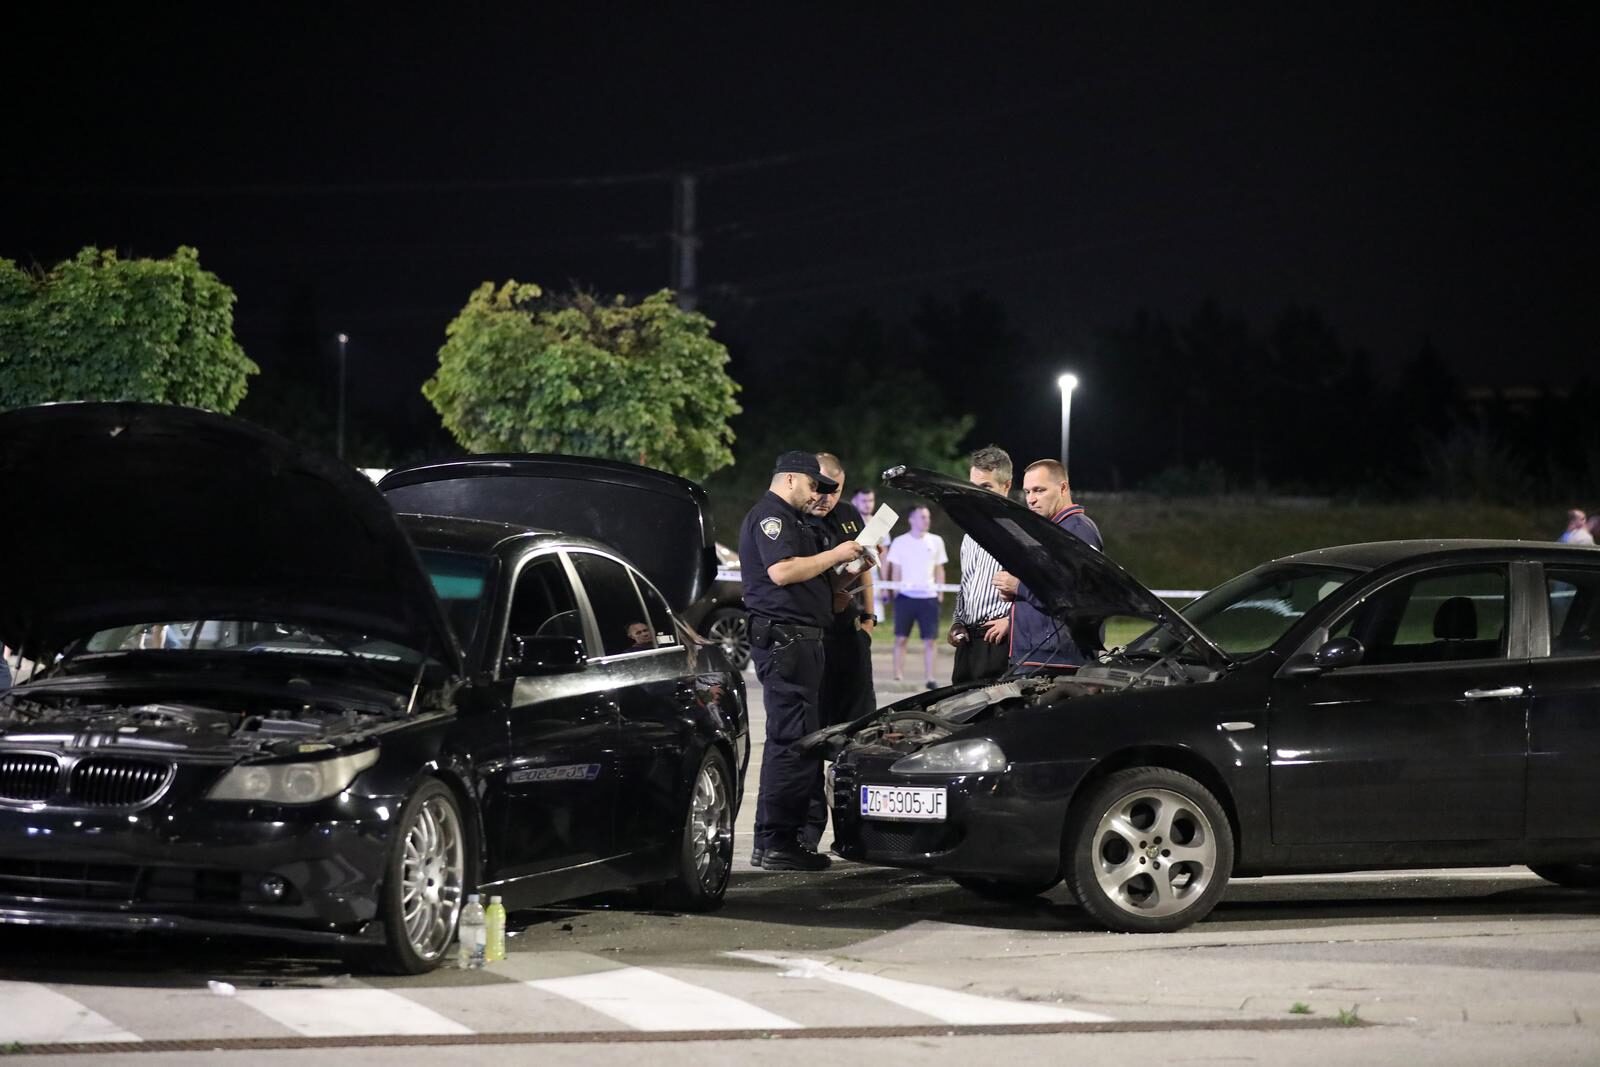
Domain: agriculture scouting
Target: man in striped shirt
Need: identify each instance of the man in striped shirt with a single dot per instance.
(982, 620)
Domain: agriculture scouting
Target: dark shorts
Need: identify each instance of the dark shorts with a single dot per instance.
(922, 610)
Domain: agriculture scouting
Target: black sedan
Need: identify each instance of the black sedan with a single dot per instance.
(1402, 704)
(273, 706)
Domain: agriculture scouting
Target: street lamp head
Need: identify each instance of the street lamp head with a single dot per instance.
(344, 338)
(1067, 382)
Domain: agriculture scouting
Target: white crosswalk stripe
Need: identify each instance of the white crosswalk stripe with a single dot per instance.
(36, 1014)
(648, 1000)
(946, 1005)
(344, 1012)
(575, 991)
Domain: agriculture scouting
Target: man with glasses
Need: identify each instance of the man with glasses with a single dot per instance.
(784, 569)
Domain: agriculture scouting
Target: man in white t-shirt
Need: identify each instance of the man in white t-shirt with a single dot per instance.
(916, 560)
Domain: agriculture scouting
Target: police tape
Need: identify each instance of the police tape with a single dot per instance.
(726, 575)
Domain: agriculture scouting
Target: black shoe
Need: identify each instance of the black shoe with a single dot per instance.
(755, 856)
(931, 684)
(793, 859)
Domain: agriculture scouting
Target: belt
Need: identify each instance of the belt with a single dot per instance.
(789, 631)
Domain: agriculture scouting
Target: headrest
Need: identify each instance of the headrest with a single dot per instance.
(1456, 620)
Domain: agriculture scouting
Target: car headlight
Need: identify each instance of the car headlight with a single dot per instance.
(292, 783)
(972, 756)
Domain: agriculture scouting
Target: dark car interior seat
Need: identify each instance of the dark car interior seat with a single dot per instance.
(1455, 632)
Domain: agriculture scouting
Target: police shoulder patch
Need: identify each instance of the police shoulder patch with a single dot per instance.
(772, 526)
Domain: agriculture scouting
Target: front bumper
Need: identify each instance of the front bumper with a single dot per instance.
(302, 874)
(1006, 825)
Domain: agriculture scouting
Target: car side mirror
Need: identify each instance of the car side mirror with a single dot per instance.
(1339, 652)
(542, 655)
(1334, 654)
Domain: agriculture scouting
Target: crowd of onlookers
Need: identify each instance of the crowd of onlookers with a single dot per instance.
(1581, 529)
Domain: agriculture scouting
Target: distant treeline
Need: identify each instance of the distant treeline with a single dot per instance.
(1211, 404)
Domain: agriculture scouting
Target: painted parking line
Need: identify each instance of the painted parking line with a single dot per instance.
(946, 1005)
(35, 1014)
(648, 1000)
(343, 1012)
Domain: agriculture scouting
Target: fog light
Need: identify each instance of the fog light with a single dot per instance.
(273, 888)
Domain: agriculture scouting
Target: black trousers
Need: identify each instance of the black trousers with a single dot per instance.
(790, 673)
(977, 659)
(847, 694)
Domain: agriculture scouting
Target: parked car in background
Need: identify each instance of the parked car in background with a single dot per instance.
(273, 706)
(720, 615)
(1401, 704)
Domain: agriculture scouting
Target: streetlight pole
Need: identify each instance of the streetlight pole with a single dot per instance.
(344, 339)
(1067, 382)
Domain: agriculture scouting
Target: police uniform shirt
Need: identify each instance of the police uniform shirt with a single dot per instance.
(773, 532)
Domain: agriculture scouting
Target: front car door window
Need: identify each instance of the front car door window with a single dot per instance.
(1434, 617)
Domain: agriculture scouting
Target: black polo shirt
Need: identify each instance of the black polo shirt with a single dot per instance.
(842, 524)
(773, 532)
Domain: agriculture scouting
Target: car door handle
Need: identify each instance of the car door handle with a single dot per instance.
(1493, 694)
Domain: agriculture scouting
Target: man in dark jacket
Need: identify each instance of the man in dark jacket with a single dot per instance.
(1037, 640)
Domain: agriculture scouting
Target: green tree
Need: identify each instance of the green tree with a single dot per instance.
(642, 382)
(96, 327)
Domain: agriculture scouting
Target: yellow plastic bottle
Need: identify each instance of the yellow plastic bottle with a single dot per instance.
(495, 928)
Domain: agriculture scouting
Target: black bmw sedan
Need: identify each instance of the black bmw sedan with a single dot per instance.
(1403, 704)
(271, 705)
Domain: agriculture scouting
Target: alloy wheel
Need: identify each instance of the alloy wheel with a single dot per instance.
(731, 630)
(1155, 853)
(432, 876)
(711, 826)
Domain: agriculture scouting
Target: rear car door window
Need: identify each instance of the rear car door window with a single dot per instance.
(666, 633)
(1573, 597)
(624, 624)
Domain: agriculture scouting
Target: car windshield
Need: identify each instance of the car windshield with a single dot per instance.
(245, 635)
(1250, 613)
(459, 581)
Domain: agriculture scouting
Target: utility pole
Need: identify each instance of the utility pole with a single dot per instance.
(685, 243)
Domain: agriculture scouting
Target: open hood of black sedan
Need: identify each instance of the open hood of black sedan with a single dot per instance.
(660, 522)
(125, 513)
(1077, 583)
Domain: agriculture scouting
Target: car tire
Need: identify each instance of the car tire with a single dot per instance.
(730, 628)
(1148, 850)
(1001, 890)
(705, 849)
(425, 881)
(1571, 875)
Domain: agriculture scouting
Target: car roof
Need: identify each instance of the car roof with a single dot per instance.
(484, 537)
(1375, 554)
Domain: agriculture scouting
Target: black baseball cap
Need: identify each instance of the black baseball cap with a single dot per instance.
(805, 463)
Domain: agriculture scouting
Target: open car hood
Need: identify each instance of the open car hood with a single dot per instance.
(126, 513)
(660, 522)
(1077, 584)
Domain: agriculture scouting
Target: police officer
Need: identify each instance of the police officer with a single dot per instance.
(788, 595)
(847, 642)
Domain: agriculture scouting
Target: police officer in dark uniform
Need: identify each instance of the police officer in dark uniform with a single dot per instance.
(847, 642)
(787, 592)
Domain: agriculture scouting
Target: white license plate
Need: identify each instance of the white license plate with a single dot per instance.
(926, 803)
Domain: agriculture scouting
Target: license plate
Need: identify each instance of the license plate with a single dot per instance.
(925, 803)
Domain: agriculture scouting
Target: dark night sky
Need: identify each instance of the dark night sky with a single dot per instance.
(1426, 171)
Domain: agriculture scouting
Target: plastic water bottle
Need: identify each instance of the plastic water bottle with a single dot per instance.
(495, 930)
(470, 934)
